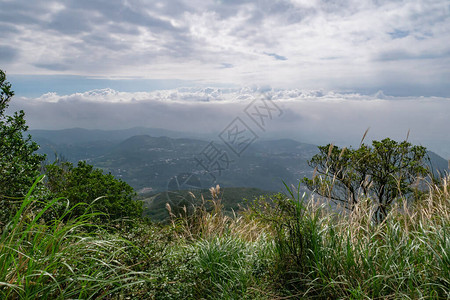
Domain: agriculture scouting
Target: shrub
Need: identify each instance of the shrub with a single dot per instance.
(384, 173)
(60, 260)
(326, 255)
(19, 164)
(85, 184)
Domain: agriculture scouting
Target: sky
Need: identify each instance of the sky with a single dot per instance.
(335, 68)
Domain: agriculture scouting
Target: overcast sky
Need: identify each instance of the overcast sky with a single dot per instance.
(323, 61)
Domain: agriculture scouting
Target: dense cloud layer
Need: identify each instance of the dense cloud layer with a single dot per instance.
(309, 116)
(398, 46)
(352, 46)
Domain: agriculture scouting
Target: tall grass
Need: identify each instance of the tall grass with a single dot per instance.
(288, 246)
(230, 256)
(322, 254)
(55, 260)
(208, 219)
(230, 268)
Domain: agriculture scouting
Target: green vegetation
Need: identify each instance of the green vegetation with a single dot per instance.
(283, 246)
(19, 165)
(279, 247)
(321, 254)
(84, 184)
(148, 162)
(59, 259)
(384, 172)
(233, 200)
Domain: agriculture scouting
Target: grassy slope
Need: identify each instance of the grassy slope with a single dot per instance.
(279, 250)
(232, 199)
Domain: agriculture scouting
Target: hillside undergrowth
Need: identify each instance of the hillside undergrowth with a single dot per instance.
(283, 246)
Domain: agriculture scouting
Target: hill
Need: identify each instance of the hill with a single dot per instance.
(438, 164)
(149, 163)
(154, 163)
(74, 136)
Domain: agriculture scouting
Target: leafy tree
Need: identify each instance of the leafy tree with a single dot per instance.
(19, 164)
(86, 184)
(383, 172)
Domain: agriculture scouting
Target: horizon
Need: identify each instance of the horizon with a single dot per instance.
(274, 137)
(333, 70)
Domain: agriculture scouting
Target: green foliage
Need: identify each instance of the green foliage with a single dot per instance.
(384, 172)
(231, 198)
(296, 234)
(60, 260)
(19, 165)
(324, 255)
(85, 184)
(306, 252)
(228, 267)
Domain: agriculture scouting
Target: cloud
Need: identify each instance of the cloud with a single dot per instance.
(313, 116)
(53, 67)
(226, 65)
(399, 34)
(331, 45)
(7, 53)
(276, 56)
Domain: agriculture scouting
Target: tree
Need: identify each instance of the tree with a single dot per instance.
(85, 184)
(384, 172)
(19, 164)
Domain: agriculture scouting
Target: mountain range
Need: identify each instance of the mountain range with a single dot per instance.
(156, 160)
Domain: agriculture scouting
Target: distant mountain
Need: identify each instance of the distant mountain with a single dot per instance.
(73, 152)
(74, 136)
(153, 163)
(76, 144)
(439, 165)
(149, 163)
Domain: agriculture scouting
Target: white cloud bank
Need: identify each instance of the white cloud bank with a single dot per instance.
(398, 46)
(309, 116)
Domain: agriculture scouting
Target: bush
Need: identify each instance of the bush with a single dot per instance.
(384, 173)
(60, 260)
(19, 165)
(85, 184)
(326, 255)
